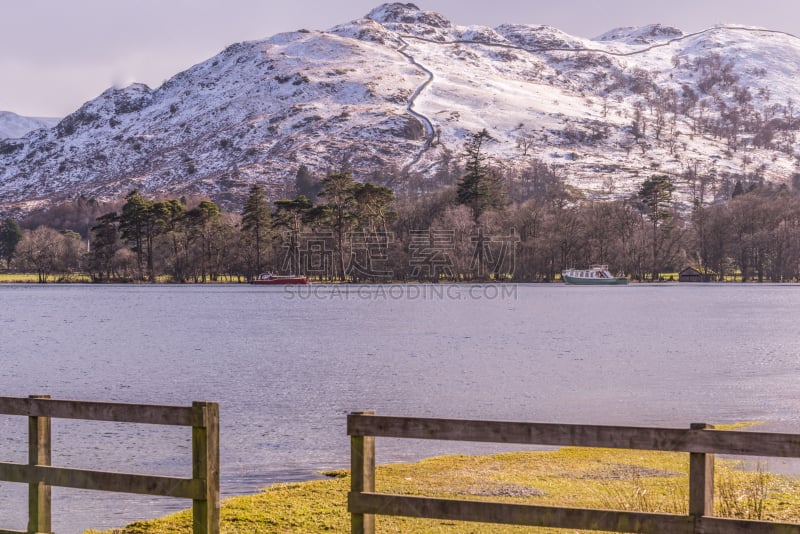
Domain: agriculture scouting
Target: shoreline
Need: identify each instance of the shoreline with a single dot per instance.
(31, 279)
(580, 477)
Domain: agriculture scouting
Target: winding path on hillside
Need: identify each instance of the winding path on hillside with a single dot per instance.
(426, 122)
(595, 50)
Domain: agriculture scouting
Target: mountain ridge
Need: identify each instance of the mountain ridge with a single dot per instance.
(14, 126)
(393, 96)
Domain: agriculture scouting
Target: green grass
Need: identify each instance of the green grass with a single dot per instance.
(32, 278)
(569, 477)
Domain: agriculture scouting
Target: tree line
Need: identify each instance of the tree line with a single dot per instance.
(485, 227)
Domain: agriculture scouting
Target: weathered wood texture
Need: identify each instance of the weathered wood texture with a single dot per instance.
(700, 441)
(39, 492)
(518, 514)
(98, 411)
(701, 480)
(718, 525)
(202, 488)
(205, 467)
(615, 437)
(362, 479)
(545, 516)
(185, 488)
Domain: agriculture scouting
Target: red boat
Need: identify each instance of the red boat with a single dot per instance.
(269, 279)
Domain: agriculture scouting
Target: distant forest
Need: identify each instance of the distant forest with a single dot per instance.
(480, 229)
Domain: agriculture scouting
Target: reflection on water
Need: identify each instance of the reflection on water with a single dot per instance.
(288, 364)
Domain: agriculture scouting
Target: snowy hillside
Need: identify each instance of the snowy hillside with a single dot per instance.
(392, 96)
(13, 125)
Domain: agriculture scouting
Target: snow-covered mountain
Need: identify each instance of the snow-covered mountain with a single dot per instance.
(13, 125)
(394, 95)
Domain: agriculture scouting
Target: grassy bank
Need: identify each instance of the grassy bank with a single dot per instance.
(32, 278)
(572, 477)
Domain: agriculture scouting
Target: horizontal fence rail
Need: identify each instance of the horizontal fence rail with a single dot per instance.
(102, 481)
(202, 488)
(612, 437)
(100, 411)
(701, 441)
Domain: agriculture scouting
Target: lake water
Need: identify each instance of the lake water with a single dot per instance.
(288, 364)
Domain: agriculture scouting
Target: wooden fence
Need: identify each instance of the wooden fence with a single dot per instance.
(202, 488)
(701, 441)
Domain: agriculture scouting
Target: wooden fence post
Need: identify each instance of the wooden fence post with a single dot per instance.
(205, 466)
(39, 493)
(362, 477)
(701, 481)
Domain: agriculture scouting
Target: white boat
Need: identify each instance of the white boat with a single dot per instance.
(269, 279)
(595, 275)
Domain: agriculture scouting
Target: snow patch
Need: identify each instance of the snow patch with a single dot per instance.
(260, 109)
(407, 14)
(13, 126)
(642, 35)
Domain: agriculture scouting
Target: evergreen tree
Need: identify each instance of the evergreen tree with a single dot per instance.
(374, 206)
(480, 187)
(738, 189)
(138, 225)
(306, 184)
(256, 224)
(339, 212)
(104, 237)
(10, 236)
(655, 195)
(171, 217)
(289, 214)
(201, 222)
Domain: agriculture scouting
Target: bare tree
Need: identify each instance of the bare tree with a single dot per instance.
(44, 251)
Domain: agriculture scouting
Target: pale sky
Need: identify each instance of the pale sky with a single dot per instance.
(57, 54)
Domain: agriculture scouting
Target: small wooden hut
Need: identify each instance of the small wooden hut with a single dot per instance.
(695, 274)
